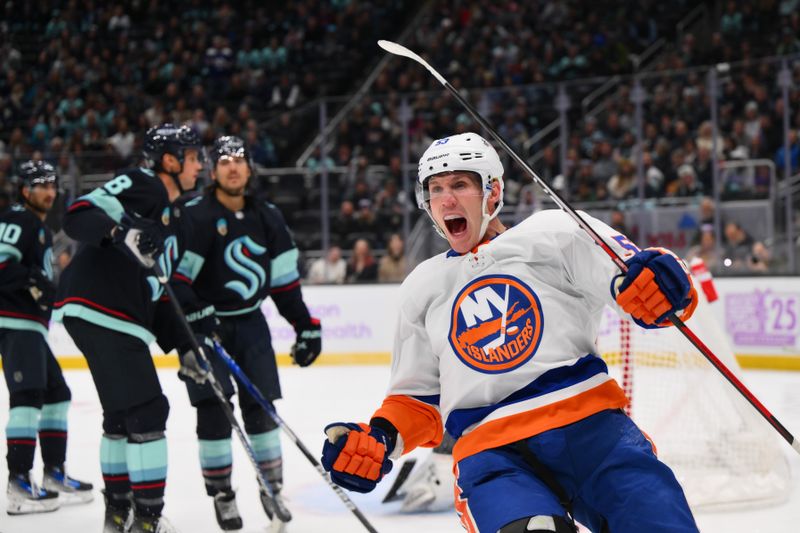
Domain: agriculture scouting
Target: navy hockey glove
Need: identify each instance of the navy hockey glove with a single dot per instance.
(203, 321)
(41, 288)
(356, 455)
(308, 345)
(141, 237)
(656, 285)
(192, 365)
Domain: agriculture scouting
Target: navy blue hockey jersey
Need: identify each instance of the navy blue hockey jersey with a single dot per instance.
(103, 284)
(234, 261)
(25, 244)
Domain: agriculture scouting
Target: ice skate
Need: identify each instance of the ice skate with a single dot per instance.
(118, 517)
(226, 510)
(71, 491)
(151, 524)
(276, 501)
(25, 497)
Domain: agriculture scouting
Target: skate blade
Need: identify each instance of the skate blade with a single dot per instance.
(277, 526)
(33, 508)
(76, 497)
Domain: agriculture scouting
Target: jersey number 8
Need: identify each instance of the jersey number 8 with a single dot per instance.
(118, 184)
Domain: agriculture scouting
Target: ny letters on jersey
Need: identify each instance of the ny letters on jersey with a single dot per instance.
(496, 324)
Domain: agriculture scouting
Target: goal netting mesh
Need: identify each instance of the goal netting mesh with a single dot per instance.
(721, 450)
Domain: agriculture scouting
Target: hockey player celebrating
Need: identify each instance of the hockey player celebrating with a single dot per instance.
(501, 355)
(38, 395)
(238, 251)
(112, 305)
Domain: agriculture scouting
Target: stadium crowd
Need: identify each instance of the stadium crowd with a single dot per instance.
(81, 81)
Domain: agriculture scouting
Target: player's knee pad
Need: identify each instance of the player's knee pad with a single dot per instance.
(540, 524)
(61, 393)
(212, 424)
(256, 420)
(26, 398)
(149, 417)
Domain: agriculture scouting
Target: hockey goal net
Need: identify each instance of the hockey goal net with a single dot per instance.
(722, 452)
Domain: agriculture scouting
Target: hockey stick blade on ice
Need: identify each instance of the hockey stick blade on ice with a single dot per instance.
(218, 392)
(268, 407)
(400, 50)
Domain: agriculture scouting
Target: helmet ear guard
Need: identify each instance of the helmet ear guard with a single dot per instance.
(467, 152)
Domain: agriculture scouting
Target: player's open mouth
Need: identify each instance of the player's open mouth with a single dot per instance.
(456, 225)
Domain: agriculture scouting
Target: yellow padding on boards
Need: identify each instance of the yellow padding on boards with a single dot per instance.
(753, 361)
(77, 362)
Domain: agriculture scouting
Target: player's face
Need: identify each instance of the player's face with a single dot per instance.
(232, 173)
(191, 168)
(41, 197)
(456, 203)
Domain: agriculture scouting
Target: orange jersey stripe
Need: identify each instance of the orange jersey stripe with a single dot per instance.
(462, 507)
(512, 428)
(418, 423)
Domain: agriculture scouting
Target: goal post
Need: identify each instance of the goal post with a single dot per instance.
(721, 451)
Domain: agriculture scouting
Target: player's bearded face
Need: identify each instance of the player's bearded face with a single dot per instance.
(191, 168)
(41, 197)
(456, 202)
(232, 174)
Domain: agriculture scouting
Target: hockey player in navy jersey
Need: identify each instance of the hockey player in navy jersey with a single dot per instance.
(114, 307)
(495, 343)
(38, 395)
(238, 252)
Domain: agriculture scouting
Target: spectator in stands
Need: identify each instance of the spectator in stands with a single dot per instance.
(123, 140)
(362, 267)
(365, 216)
(738, 247)
(794, 154)
(390, 204)
(618, 221)
(346, 222)
(706, 248)
(686, 184)
(623, 184)
(653, 176)
(328, 269)
(529, 202)
(392, 267)
(760, 258)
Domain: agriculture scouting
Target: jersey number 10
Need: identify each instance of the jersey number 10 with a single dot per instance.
(9, 233)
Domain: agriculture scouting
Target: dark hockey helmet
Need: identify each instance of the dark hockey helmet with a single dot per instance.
(231, 146)
(169, 139)
(32, 173)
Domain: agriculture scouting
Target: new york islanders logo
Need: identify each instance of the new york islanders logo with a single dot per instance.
(496, 324)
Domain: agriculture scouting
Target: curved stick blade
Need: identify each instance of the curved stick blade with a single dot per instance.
(400, 50)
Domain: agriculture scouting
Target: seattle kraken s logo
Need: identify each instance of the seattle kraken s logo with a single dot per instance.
(237, 258)
(165, 261)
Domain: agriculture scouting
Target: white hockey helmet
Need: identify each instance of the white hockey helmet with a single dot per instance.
(466, 152)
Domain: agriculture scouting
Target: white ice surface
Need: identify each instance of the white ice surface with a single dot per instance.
(313, 397)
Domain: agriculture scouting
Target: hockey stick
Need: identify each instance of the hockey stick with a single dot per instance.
(397, 49)
(268, 407)
(218, 392)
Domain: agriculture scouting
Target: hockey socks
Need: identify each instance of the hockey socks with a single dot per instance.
(21, 438)
(114, 465)
(267, 448)
(147, 467)
(216, 462)
(53, 433)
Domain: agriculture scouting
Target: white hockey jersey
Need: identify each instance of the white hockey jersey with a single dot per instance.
(501, 340)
